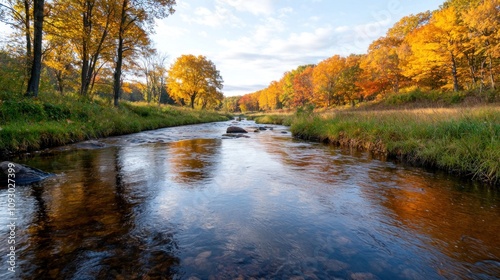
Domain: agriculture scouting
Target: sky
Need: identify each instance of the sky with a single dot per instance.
(253, 42)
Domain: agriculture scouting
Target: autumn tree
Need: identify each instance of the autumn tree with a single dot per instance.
(303, 87)
(384, 62)
(452, 35)
(347, 84)
(461, 5)
(133, 18)
(230, 104)
(269, 97)
(86, 26)
(437, 49)
(426, 63)
(61, 61)
(286, 96)
(326, 78)
(483, 22)
(406, 25)
(194, 80)
(249, 102)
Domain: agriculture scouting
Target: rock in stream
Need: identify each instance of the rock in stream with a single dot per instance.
(23, 174)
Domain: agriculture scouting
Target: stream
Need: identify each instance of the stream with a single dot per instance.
(187, 203)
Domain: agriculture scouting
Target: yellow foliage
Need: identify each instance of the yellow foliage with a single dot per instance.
(194, 80)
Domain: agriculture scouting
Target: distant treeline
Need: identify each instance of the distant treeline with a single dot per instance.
(454, 48)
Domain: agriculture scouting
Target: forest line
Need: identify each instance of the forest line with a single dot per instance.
(455, 48)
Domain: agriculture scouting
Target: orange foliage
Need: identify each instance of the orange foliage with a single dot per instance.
(303, 87)
(457, 46)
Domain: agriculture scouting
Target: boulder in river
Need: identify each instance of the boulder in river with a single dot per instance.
(23, 174)
(235, 129)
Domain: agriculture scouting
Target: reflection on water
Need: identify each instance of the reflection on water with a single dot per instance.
(193, 160)
(85, 224)
(185, 207)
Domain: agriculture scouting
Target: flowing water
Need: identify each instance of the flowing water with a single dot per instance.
(186, 203)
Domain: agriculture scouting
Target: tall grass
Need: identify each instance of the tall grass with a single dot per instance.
(27, 124)
(460, 140)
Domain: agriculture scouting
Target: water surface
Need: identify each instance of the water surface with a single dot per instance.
(184, 203)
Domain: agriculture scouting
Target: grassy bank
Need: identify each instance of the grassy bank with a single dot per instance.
(463, 141)
(27, 124)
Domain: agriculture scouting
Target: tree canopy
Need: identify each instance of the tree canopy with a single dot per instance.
(195, 81)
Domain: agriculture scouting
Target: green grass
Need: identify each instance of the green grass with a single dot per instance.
(274, 119)
(28, 124)
(464, 141)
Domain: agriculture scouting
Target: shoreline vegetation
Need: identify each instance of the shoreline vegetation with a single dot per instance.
(35, 124)
(462, 139)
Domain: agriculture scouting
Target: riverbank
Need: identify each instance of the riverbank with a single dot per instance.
(27, 125)
(463, 141)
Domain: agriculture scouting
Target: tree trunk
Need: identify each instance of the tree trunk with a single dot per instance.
(60, 82)
(396, 84)
(87, 29)
(27, 22)
(193, 97)
(492, 77)
(118, 72)
(90, 59)
(454, 73)
(85, 70)
(119, 59)
(36, 67)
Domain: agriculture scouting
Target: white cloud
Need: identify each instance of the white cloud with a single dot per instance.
(213, 18)
(303, 42)
(285, 11)
(342, 29)
(256, 7)
(163, 29)
(270, 28)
